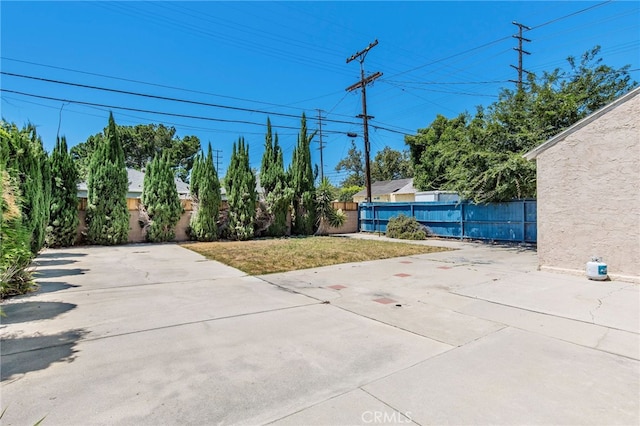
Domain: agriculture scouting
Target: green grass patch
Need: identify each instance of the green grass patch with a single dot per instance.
(268, 256)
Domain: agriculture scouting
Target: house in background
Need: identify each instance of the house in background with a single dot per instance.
(589, 192)
(388, 191)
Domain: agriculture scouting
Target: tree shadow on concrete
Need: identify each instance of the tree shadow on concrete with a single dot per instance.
(57, 273)
(51, 286)
(55, 255)
(52, 262)
(24, 354)
(33, 311)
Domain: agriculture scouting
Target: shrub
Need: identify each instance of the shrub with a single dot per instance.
(406, 228)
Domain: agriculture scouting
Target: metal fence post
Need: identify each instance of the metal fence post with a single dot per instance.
(461, 221)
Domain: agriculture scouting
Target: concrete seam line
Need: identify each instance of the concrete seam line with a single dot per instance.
(79, 289)
(312, 405)
(390, 406)
(168, 326)
(453, 348)
(540, 312)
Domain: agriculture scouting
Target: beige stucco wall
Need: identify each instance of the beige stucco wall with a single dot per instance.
(135, 231)
(350, 225)
(589, 196)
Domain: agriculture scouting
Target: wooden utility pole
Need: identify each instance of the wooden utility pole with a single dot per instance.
(520, 53)
(321, 144)
(360, 56)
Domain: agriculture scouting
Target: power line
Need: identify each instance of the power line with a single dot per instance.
(164, 98)
(126, 92)
(170, 114)
(570, 15)
(164, 86)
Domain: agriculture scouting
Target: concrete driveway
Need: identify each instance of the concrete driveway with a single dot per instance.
(156, 334)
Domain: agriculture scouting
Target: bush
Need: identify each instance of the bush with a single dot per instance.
(406, 228)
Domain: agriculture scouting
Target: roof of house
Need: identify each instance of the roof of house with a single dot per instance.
(400, 186)
(533, 154)
(136, 182)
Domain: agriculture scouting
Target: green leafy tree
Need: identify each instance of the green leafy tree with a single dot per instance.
(354, 164)
(205, 191)
(107, 215)
(160, 200)
(15, 239)
(274, 183)
(141, 144)
(27, 163)
(390, 164)
(327, 216)
(63, 220)
(346, 193)
(241, 194)
(301, 180)
(481, 157)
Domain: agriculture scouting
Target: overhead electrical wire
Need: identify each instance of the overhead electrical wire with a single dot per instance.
(164, 98)
(164, 86)
(221, 120)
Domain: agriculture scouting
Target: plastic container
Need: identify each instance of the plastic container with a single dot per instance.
(597, 269)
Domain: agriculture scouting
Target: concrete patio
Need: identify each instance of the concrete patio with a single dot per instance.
(157, 334)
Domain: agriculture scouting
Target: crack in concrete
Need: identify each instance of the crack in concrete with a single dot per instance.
(593, 311)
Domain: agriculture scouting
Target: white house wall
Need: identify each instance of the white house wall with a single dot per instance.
(589, 196)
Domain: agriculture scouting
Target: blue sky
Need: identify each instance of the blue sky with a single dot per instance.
(270, 58)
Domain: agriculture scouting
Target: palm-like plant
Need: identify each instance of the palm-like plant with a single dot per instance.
(327, 216)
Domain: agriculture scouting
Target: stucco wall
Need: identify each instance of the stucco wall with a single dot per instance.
(135, 231)
(350, 225)
(589, 196)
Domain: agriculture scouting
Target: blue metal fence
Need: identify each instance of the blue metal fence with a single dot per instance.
(512, 221)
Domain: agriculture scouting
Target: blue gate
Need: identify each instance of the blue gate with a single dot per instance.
(512, 221)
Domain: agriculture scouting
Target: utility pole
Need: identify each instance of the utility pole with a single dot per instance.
(520, 53)
(360, 56)
(217, 153)
(320, 143)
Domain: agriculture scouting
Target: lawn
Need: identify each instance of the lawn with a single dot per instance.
(267, 256)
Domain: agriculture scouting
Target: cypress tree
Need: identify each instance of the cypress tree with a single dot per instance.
(107, 185)
(194, 177)
(63, 220)
(15, 238)
(301, 181)
(27, 163)
(161, 201)
(204, 220)
(241, 193)
(274, 183)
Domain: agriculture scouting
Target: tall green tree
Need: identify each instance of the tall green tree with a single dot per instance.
(160, 200)
(390, 164)
(301, 180)
(63, 220)
(141, 143)
(27, 162)
(241, 193)
(107, 215)
(205, 192)
(481, 157)
(354, 164)
(15, 238)
(274, 183)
